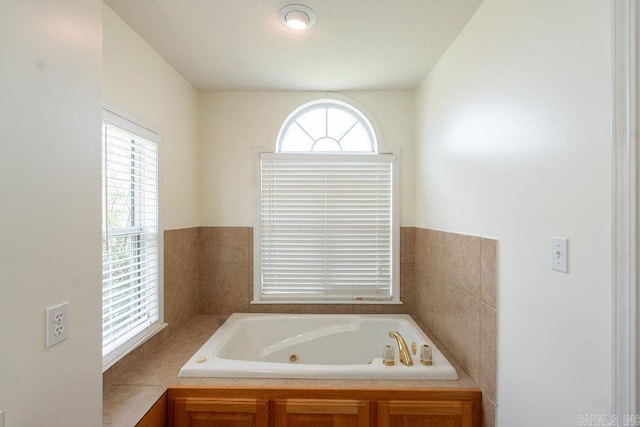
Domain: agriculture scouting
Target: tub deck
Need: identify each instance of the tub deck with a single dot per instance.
(132, 386)
(340, 346)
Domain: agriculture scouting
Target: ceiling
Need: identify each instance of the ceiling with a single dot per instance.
(354, 45)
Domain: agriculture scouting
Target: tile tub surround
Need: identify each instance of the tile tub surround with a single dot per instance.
(130, 392)
(455, 277)
(448, 281)
(226, 257)
(209, 270)
(181, 276)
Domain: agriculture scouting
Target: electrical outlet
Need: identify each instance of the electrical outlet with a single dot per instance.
(57, 324)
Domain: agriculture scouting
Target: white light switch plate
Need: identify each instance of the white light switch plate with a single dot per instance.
(559, 254)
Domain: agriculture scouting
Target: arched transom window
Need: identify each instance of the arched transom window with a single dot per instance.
(327, 126)
(326, 227)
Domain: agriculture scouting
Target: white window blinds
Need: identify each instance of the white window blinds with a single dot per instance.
(326, 225)
(130, 305)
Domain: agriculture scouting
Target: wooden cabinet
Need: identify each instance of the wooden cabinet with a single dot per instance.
(318, 407)
(426, 414)
(321, 413)
(205, 412)
(157, 415)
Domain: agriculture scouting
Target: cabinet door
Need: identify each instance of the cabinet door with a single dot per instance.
(206, 412)
(426, 414)
(321, 413)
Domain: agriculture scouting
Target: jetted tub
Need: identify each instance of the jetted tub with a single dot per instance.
(314, 346)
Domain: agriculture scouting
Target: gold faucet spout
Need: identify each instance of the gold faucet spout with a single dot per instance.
(405, 356)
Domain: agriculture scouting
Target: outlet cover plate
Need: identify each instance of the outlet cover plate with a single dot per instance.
(57, 323)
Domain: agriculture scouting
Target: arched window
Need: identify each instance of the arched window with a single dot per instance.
(327, 226)
(327, 126)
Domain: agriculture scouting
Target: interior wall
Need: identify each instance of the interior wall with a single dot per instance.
(637, 237)
(637, 302)
(50, 81)
(140, 80)
(234, 126)
(513, 142)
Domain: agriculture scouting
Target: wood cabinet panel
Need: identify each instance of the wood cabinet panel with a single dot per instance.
(205, 412)
(321, 413)
(426, 414)
(205, 406)
(157, 415)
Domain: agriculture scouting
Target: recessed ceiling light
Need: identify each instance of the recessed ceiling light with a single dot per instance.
(297, 17)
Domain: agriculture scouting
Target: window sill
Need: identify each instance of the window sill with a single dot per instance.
(147, 335)
(325, 302)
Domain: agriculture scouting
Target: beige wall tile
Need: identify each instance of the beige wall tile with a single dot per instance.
(408, 291)
(125, 405)
(326, 308)
(378, 309)
(463, 378)
(420, 251)
(429, 250)
(488, 271)
(225, 244)
(430, 304)
(488, 336)
(462, 262)
(407, 245)
(274, 308)
(434, 241)
(419, 278)
(250, 282)
(461, 328)
(250, 243)
(488, 412)
(428, 278)
(224, 288)
(181, 276)
(423, 297)
(302, 308)
(420, 275)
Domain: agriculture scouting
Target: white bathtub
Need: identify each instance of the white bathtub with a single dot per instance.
(324, 346)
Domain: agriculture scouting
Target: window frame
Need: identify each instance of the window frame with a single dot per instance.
(119, 117)
(323, 103)
(395, 223)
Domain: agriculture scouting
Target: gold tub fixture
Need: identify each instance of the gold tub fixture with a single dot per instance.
(405, 357)
(426, 355)
(388, 356)
(414, 348)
